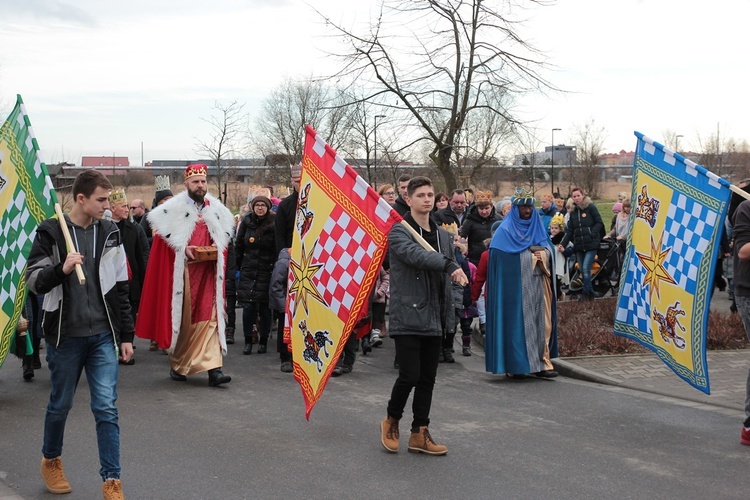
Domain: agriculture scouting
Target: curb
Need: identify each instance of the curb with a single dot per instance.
(571, 370)
(568, 369)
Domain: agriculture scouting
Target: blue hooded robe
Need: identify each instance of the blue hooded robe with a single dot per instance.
(518, 314)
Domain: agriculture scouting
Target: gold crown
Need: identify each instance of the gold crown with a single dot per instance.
(523, 197)
(483, 197)
(451, 228)
(557, 220)
(197, 169)
(117, 196)
(162, 183)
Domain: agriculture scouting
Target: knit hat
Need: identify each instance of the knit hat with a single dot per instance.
(261, 199)
(617, 207)
(163, 189)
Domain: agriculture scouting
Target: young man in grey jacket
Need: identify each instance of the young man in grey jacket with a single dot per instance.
(83, 325)
(421, 307)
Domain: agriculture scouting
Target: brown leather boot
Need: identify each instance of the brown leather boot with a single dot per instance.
(112, 490)
(422, 442)
(389, 434)
(54, 477)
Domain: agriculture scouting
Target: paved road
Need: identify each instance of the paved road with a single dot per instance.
(507, 439)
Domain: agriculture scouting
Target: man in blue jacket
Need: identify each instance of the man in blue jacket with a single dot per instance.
(421, 308)
(83, 333)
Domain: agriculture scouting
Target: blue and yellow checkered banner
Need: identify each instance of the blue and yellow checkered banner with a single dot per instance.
(676, 220)
(26, 199)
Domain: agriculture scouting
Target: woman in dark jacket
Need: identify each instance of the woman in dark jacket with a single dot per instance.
(255, 250)
(585, 229)
(478, 224)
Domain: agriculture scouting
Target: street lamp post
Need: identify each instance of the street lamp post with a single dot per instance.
(552, 160)
(375, 150)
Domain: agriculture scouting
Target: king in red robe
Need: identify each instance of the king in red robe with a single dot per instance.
(183, 299)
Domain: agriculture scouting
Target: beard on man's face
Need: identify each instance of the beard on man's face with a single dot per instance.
(197, 195)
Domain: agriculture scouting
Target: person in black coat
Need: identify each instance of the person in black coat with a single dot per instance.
(255, 250)
(478, 225)
(400, 205)
(585, 229)
(454, 213)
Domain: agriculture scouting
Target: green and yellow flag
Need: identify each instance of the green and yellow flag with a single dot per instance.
(26, 199)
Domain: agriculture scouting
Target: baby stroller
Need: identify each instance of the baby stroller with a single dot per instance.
(605, 271)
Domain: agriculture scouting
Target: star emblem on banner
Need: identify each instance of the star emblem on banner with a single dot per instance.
(654, 264)
(302, 284)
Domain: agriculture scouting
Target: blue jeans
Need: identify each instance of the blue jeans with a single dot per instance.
(98, 356)
(585, 261)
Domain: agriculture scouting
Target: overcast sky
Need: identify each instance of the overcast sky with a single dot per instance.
(99, 77)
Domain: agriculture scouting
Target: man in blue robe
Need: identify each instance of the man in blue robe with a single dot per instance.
(521, 334)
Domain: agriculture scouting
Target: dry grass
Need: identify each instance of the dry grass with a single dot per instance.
(585, 329)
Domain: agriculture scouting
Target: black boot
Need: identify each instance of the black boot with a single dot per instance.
(230, 335)
(262, 348)
(216, 377)
(176, 376)
(28, 367)
(448, 356)
(248, 349)
(366, 346)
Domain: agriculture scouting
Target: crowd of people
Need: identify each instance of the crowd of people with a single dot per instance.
(175, 274)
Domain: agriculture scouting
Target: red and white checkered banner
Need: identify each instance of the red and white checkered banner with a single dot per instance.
(339, 243)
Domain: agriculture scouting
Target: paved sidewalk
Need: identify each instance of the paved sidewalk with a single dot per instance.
(727, 371)
(646, 372)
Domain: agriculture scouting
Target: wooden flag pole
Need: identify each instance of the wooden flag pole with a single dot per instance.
(424, 244)
(739, 191)
(69, 241)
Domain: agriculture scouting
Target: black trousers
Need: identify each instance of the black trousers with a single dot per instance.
(231, 311)
(378, 315)
(417, 357)
(349, 355)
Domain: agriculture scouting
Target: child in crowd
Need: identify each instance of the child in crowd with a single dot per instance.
(557, 232)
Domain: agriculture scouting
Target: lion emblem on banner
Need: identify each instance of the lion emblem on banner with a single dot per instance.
(314, 344)
(668, 323)
(648, 208)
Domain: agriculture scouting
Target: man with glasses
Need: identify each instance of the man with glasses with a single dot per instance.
(454, 213)
(138, 210)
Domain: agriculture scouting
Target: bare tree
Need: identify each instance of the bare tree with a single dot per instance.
(479, 142)
(528, 145)
(227, 124)
(442, 60)
(726, 157)
(671, 139)
(281, 125)
(589, 142)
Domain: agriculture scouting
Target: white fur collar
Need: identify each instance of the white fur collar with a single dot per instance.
(175, 222)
